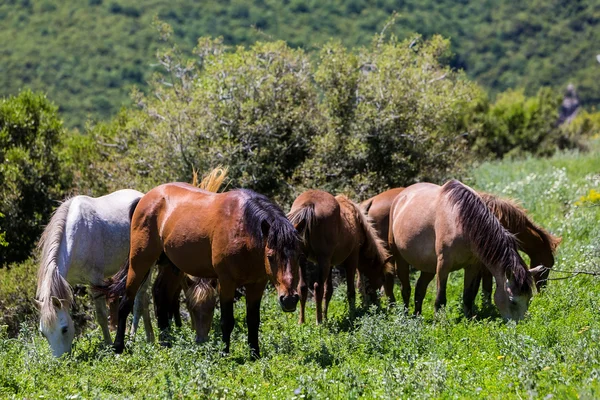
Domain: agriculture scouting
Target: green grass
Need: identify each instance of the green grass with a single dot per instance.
(380, 354)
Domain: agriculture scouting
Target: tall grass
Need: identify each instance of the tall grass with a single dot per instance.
(380, 354)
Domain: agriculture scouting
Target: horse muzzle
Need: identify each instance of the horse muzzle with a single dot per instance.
(288, 302)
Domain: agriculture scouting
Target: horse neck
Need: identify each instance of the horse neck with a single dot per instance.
(534, 244)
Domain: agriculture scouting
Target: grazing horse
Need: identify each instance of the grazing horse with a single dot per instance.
(535, 241)
(334, 232)
(200, 297)
(239, 237)
(86, 241)
(443, 229)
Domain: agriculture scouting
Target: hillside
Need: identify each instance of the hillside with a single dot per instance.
(87, 56)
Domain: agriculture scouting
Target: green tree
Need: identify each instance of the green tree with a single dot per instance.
(30, 175)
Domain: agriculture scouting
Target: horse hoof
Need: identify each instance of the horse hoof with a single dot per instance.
(118, 348)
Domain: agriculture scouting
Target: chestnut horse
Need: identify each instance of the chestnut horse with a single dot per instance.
(239, 237)
(443, 229)
(534, 240)
(335, 231)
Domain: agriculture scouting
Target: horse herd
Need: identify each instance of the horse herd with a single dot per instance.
(209, 244)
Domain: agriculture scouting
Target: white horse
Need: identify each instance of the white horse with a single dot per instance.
(86, 241)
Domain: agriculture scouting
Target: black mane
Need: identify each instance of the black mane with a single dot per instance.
(258, 211)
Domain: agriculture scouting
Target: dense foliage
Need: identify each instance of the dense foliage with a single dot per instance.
(380, 354)
(357, 122)
(30, 171)
(87, 55)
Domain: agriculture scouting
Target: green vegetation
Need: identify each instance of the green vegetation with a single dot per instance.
(381, 354)
(88, 55)
(30, 171)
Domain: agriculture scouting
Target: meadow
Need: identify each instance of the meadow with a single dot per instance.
(554, 352)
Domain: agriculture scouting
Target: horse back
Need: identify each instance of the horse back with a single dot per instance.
(195, 228)
(96, 236)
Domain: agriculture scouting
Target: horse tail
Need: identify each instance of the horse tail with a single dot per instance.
(50, 282)
(114, 287)
(374, 245)
(213, 181)
(303, 219)
(491, 242)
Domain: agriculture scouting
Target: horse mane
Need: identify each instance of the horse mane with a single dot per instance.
(492, 243)
(374, 245)
(212, 181)
(198, 290)
(514, 217)
(303, 219)
(282, 236)
(50, 283)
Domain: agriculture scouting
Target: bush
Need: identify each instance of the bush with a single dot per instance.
(518, 125)
(30, 172)
(393, 117)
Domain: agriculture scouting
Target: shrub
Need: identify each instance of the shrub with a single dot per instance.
(30, 172)
(393, 117)
(516, 125)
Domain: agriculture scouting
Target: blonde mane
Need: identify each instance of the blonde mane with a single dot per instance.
(213, 181)
(198, 290)
(373, 245)
(50, 283)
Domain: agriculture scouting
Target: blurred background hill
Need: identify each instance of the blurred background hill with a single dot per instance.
(87, 55)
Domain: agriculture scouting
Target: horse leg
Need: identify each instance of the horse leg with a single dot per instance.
(328, 292)
(442, 282)
(254, 293)
(140, 263)
(350, 266)
(471, 285)
(113, 313)
(302, 287)
(388, 287)
(322, 271)
(141, 310)
(487, 283)
(102, 317)
(227, 321)
(403, 272)
(421, 289)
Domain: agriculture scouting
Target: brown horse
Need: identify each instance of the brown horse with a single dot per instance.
(534, 240)
(334, 231)
(239, 237)
(443, 229)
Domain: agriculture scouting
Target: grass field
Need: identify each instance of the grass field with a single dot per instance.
(379, 354)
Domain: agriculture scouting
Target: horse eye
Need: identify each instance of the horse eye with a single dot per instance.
(64, 330)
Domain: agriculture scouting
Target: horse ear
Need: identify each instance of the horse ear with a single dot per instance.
(56, 302)
(38, 304)
(389, 259)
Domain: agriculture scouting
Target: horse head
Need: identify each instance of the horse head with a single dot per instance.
(282, 268)
(512, 297)
(56, 325)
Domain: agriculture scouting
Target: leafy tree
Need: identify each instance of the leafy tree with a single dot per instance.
(394, 117)
(29, 170)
